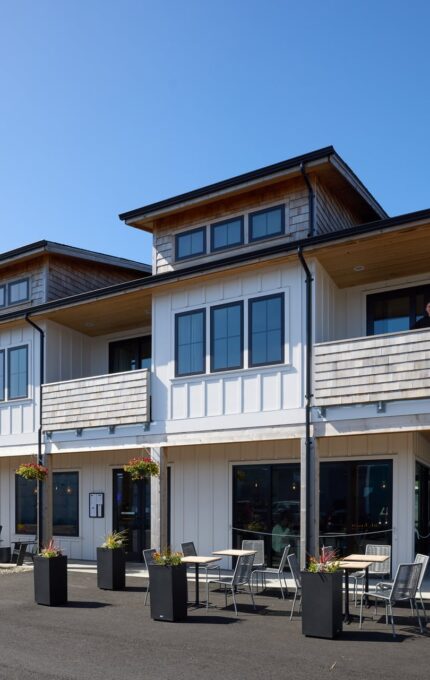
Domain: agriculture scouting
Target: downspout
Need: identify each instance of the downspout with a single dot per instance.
(39, 432)
(311, 230)
(308, 398)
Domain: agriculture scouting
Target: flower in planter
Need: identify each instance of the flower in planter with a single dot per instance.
(327, 562)
(141, 467)
(32, 471)
(166, 558)
(115, 540)
(50, 550)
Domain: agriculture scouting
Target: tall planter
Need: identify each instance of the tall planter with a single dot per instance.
(168, 592)
(50, 580)
(111, 568)
(322, 604)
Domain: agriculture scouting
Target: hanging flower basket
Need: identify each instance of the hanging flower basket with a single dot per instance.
(140, 468)
(32, 471)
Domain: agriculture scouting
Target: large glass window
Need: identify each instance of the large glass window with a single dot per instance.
(422, 509)
(190, 345)
(227, 234)
(130, 354)
(227, 336)
(266, 223)
(25, 505)
(2, 376)
(266, 506)
(266, 330)
(18, 291)
(396, 310)
(18, 372)
(355, 504)
(65, 503)
(2, 296)
(191, 243)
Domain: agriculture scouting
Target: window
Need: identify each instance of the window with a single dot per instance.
(17, 373)
(2, 296)
(191, 243)
(25, 505)
(227, 234)
(227, 336)
(190, 342)
(18, 291)
(396, 310)
(130, 355)
(65, 503)
(266, 330)
(2, 380)
(266, 223)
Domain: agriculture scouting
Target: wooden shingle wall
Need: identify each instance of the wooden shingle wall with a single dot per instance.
(35, 270)
(69, 277)
(332, 214)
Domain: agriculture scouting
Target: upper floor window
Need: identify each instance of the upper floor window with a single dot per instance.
(266, 330)
(227, 234)
(17, 372)
(266, 223)
(397, 310)
(130, 354)
(227, 336)
(190, 342)
(191, 243)
(2, 296)
(18, 291)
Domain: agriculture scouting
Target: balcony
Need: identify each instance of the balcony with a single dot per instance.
(102, 400)
(377, 368)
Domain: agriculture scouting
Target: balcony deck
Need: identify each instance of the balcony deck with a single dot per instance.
(102, 400)
(376, 368)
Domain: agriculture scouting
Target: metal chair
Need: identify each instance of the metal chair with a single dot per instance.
(189, 550)
(279, 572)
(241, 577)
(295, 571)
(259, 558)
(18, 553)
(148, 558)
(419, 559)
(375, 569)
(404, 587)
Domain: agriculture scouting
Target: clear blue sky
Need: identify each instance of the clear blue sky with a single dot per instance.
(106, 105)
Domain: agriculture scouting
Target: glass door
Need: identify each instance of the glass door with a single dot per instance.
(131, 512)
(396, 310)
(422, 509)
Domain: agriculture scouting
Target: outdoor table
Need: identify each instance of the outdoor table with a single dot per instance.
(233, 552)
(197, 560)
(348, 564)
(360, 558)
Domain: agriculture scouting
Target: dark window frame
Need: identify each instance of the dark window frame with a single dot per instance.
(25, 280)
(62, 472)
(222, 223)
(179, 258)
(3, 288)
(177, 317)
(410, 291)
(9, 351)
(238, 303)
(140, 341)
(251, 215)
(19, 480)
(3, 385)
(281, 296)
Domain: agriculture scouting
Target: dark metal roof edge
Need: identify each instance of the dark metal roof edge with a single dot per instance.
(149, 281)
(229, 183)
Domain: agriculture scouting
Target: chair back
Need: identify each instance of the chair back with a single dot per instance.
(258, 546)
(379, 567)
(243, 569)
(423, 560)
(295, 570)
(283, 561)
(188, 549)
(406, 582)
(148, 556)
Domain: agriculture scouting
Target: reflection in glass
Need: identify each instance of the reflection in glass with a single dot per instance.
(65, 503)
(25, 505)
(131, 512)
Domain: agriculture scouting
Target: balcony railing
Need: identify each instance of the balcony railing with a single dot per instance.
(371, 369)
(114, 399)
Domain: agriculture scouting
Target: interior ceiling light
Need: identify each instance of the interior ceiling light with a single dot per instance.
(89, 324)
(359, 268)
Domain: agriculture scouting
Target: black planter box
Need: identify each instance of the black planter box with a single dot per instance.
(5, 554)
(168, 592)
(50, 580)
(322, 604)
(111, 568)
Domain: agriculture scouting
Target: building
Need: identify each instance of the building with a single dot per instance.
(288, 393)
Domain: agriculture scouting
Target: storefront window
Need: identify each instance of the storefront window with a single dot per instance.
(25, 505)
(65, 503)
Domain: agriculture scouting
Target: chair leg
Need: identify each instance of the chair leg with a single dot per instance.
(294, 602)
(392, 619)
(282, 590)
(418, 615)
(234, 600)
(146, 594)
(252, 596)
(423, 606)
(361, 611)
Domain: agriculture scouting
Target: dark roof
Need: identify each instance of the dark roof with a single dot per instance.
(260, 173)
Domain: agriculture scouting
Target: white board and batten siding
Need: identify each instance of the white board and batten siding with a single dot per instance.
(246, 397)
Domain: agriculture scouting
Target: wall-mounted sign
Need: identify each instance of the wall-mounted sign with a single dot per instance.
(97, 504)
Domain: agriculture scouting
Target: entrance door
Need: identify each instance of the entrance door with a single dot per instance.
(131, 512)
(422, 509)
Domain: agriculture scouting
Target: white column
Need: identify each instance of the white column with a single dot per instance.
(159, 500)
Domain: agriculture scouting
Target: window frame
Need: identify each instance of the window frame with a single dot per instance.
(3, 288)
(238, 303)
(281, 296)
(251, 215)
(177, 317)
(239, 219)
(19, 480)
(25, 280)
(3, 386)
(62, 472)
(179, 258)
(9, 350)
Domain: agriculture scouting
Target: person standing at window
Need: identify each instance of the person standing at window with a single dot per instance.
(425, 321)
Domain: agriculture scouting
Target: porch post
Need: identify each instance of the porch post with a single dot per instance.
(47, 527)
(159, 500)
(309, 484)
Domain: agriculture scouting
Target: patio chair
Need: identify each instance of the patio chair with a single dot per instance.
(18, 553)
(295, 571)
(148, 558)
(404, 587)
(241, 577)
(189, 550)
(375, 569)
(279, 572)
(419, 559)
(259, 558)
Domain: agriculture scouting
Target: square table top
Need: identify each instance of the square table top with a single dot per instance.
(354, 564)
(199, 559)
(234, 552)
(366, 558)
